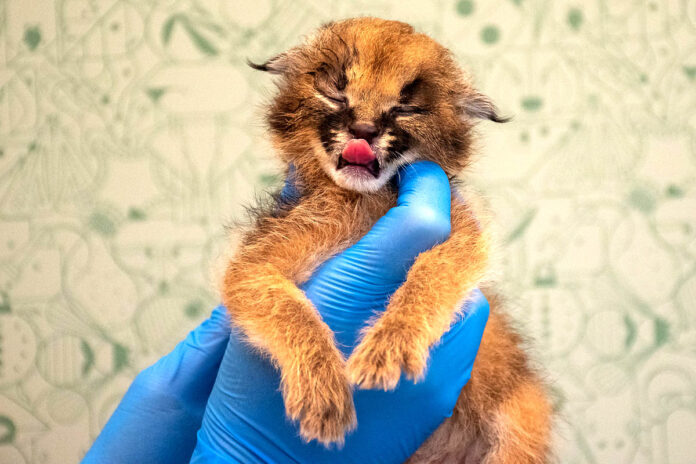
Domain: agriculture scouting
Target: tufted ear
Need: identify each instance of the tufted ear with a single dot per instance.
(477, 105)
(279, 64)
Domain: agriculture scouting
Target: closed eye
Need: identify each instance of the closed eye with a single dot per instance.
(336, 99)
(406, 110)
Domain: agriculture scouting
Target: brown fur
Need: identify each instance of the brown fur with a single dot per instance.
(384, 73)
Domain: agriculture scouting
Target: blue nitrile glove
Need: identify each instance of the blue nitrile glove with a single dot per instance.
(157, 419)
(245, 418)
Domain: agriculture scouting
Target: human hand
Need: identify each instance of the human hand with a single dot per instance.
(245, 419)
(158, 417)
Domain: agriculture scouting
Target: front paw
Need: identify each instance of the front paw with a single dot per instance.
(382, 355)
(320, 398)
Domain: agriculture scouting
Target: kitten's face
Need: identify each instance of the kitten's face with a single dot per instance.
(364, 96)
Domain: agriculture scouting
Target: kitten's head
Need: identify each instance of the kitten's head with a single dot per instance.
(363, 96)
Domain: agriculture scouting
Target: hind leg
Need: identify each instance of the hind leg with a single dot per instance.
(519, 430)
(503, 415)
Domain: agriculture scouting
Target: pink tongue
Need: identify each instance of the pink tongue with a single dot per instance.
(358, 151)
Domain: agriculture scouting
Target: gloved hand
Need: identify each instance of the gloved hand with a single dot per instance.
(244, 421)
(157, 419)
(245, 418)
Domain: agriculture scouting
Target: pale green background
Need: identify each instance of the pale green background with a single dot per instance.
(130, 134)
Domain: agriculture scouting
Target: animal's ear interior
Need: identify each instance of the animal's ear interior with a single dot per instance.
(279, 64)
(480, 106)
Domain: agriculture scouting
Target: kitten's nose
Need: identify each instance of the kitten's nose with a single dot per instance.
(364, 130)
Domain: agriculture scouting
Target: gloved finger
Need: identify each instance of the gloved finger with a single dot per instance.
(189, 370)
(475, 307)
(420, 221)
(452, 359)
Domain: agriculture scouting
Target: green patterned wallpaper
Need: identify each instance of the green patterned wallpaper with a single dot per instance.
(130, 134)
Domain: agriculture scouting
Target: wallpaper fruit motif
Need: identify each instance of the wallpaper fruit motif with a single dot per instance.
(130, 135)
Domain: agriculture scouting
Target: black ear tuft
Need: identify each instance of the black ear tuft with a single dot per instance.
(481, 107)
(276, 65)
(256, 66)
